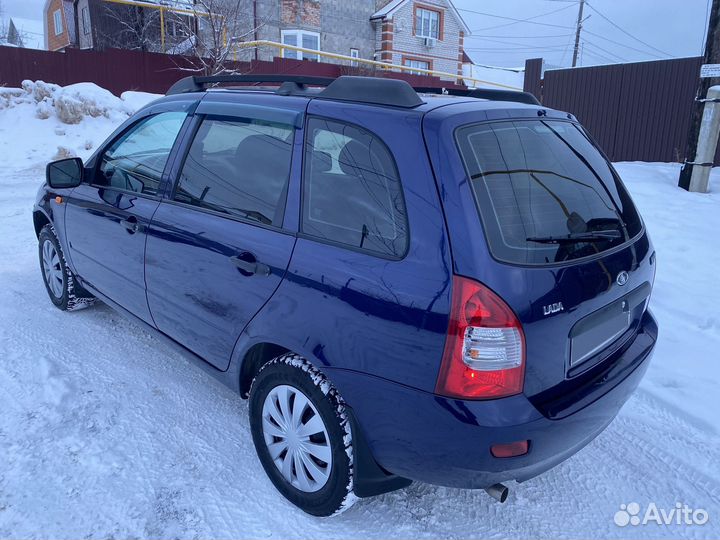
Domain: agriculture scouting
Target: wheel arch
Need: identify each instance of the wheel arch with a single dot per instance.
(40, 219)
(256, 357)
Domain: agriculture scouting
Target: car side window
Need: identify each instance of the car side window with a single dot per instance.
(239, 167)
(136, 160)
(351, 189)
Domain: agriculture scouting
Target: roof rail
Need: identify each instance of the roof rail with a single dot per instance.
(200, 84)
(379, 91)
(375, 90)
(484, 93)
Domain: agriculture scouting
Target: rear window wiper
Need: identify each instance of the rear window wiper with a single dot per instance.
(591, 236)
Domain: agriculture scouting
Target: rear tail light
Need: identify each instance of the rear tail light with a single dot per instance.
(484, 354)
(513, 449)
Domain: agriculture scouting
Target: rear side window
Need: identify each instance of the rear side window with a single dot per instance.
(544, 192)
(351, 190)
(238, 167)
(136, 160)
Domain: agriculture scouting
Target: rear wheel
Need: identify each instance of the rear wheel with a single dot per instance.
(60, 284)
(302, 435)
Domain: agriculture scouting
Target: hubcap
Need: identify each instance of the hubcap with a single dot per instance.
(52, 269)
(296, 438)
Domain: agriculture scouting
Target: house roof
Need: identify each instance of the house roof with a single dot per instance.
(391, 8)
(31, 30)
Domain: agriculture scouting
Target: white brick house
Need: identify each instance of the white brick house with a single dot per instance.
(427, 34)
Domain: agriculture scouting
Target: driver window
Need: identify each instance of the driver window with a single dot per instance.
(136, 160)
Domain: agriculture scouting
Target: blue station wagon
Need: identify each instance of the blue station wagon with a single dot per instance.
(446, 287)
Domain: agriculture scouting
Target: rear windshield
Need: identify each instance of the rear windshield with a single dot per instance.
(544, 192)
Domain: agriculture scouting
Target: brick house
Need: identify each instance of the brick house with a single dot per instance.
(422, 34)
(425, 34)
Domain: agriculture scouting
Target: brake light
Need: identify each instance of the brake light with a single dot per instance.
(514, 449)
(484, 355)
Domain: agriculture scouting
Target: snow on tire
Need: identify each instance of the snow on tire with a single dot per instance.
(59, 281)
(309, 459)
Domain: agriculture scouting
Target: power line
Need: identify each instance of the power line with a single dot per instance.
(599, 56)
(626, 32)
(562, 59)
(528, 45)
(529, 20)
(623, 44)
(525, 49)
(609, 53)
(522, 37)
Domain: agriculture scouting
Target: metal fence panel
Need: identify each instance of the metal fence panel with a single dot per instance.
(637, 111)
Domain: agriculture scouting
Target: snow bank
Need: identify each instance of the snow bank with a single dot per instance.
(43, 121)
(74, 102)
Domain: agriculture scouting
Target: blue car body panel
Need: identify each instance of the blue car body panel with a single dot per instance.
(375, 325)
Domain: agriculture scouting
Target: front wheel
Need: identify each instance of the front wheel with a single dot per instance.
(302, 435)
(60, 284)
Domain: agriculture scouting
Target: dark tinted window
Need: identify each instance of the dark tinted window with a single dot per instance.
(239, 167)
(136, 160)
(541, 181)
(351, 190)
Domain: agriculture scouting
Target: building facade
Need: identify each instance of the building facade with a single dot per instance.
(423, 35)
(419, 34)
(100, 24)
(59, 24)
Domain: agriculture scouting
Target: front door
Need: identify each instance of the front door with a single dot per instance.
(106, 220)
(216, 251)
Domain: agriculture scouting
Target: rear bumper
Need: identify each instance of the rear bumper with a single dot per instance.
(425, 437)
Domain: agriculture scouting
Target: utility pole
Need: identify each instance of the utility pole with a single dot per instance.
(711, 56)
(577, 33)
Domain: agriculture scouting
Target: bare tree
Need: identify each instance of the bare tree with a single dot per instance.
(130, 27)
(3, 25)
(218, 27)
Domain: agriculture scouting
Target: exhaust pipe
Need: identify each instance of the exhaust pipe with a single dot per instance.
(499, 492)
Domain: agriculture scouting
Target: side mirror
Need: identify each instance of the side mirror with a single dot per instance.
(66, 173)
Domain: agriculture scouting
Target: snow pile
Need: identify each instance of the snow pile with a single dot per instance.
(74, 102)
(43, 121)
(104, 432)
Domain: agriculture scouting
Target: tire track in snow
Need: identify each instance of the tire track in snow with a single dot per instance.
(107, 433)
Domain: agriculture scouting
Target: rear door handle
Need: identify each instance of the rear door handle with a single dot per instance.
(131, 224)
(250, 268)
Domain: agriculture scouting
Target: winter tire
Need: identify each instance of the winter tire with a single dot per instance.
(60, 283)
(302, 435)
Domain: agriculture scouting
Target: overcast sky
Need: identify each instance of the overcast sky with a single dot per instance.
(663, 27)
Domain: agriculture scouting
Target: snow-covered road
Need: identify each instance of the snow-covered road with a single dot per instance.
(104, 432)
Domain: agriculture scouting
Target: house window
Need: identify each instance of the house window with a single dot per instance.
(427, 23)
(354, 53)
(419, 64)
(57, 17)
(301, 38)
(86, 20)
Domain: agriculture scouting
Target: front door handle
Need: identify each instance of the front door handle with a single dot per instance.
(248, 265)
(131, 224)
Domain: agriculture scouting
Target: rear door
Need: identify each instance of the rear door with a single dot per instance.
(538, 215)
(106, 219)
(216, 249)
